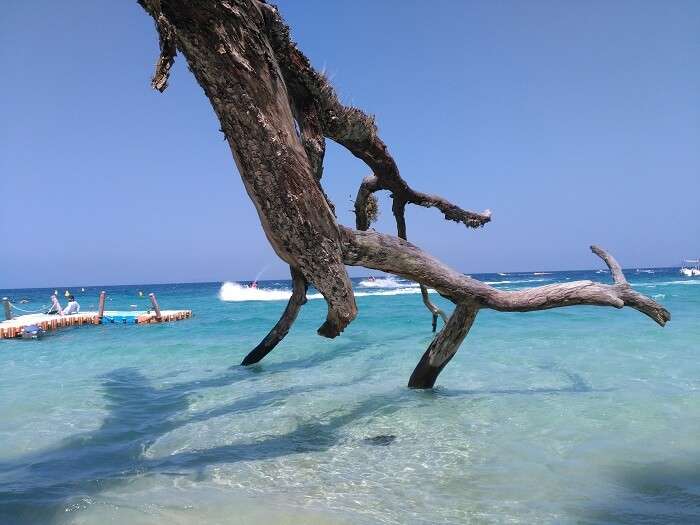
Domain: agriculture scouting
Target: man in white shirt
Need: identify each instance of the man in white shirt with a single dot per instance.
(72, 307)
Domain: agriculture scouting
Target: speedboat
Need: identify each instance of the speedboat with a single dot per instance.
(691, 268)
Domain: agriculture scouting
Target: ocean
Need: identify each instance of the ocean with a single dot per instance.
(578, 415)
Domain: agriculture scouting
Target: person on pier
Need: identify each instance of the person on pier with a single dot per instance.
(73, 307)
(55, 308)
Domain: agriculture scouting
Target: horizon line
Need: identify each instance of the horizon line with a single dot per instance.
(67, 287)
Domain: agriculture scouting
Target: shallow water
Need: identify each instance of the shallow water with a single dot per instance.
(578, 415)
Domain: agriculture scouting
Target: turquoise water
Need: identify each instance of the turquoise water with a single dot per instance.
(578, 415)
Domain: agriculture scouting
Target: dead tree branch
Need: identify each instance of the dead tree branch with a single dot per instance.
(166, 41)
(350, 126)
(612, 264)
(275, 111)
(435, 310)
(390, 254)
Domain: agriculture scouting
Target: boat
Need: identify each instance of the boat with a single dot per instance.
(691, 268)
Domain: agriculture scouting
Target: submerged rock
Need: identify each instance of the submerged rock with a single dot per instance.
(380, 441)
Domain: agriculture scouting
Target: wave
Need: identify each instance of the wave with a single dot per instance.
(541, 273)
(503, 274)
(665, 283)
(517, 281)
(397, 291)
(236, 292)
(386, 282)
(644, 271)
(230, 291)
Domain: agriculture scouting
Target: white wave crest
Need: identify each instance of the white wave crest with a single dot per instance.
(236, 292)
(518, 281)
(397, 291)
(541, 273)
(386, 282)
(664, 283)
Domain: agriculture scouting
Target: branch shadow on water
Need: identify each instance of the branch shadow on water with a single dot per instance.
(577, 385)
(39, 487)
(656, 492)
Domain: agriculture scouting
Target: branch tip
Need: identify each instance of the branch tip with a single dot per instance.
(612, 264)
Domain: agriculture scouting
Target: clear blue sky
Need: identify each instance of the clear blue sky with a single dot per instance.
(575, 122)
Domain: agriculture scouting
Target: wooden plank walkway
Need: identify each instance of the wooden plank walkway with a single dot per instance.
(14, 327)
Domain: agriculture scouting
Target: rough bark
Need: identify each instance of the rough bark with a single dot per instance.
(229, 53)
(351, 127)
(280, 330)
(276, 111)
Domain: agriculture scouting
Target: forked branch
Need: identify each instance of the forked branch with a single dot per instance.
(612, 264)
(275, 111)
(350, 126)
(386, 253)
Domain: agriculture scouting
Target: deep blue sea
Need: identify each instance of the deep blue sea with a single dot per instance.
(578, 415)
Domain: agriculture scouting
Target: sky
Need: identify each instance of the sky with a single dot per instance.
(574, 122)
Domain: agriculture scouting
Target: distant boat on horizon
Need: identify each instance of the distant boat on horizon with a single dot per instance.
(691, 268)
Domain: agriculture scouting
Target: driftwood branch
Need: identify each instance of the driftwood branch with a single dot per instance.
(276, 111)
(367, 188)
(280, 330)
(362, 220)
(612, 264)
(435, 310)
(350, 126)
(390, 254)
(166, 41)
(227, 47)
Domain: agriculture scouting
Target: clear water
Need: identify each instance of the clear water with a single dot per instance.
(578, 415)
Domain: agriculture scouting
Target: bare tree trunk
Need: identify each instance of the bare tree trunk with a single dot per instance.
(275, 111)
(229, 53)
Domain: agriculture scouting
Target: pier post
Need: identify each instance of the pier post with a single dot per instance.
(154, 302)
(8, 308)
(101, 305)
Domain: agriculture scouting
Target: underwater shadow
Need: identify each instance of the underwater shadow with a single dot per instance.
(660, 493)
(578, 386)
(37, 487)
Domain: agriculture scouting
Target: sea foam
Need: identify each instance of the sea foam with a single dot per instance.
(236, 292)
(231, 291)
(387, 282)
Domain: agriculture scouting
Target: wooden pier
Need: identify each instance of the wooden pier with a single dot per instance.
(15, 326)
